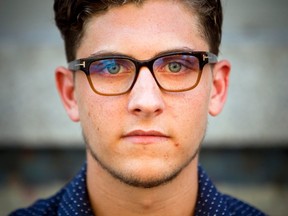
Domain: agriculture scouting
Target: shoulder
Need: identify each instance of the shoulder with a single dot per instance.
(212, 202)
(238, 207)
(43, 207)
(71, 200)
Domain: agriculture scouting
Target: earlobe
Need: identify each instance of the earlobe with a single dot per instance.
(220, 85)
(65, 85)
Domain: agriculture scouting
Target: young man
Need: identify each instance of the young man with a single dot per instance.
(142, 78)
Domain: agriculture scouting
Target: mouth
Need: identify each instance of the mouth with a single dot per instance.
(145, 137)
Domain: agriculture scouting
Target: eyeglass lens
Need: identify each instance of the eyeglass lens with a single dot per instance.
(173, 73)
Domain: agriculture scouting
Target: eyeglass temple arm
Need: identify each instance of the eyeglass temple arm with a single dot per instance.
(77, 65)
(210, 58)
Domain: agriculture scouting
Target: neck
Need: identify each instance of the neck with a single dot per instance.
(109, 196)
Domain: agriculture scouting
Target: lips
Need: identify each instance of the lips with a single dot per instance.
(146, 133)
(145, 137)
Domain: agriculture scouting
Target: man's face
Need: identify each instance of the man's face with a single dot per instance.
(147, 136)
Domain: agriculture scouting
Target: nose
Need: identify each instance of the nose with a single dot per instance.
(146, 99)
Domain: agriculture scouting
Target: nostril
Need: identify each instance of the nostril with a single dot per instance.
(137, 110)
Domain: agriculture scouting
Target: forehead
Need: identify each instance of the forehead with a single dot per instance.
(153, 25)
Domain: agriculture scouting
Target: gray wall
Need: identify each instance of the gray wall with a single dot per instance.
(255, 40)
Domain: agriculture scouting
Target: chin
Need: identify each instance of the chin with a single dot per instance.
(144, 178)
(148, 173)
(144, 171)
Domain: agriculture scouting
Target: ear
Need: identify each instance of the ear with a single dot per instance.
(65, 86)
(221, 72)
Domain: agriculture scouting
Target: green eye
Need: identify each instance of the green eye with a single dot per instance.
(113, 69)
(174, 67)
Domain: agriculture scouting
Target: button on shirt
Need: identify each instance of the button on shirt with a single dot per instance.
(73, 200)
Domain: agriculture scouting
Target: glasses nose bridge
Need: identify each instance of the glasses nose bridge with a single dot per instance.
(146, 63)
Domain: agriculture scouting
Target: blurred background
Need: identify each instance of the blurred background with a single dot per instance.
(246, 148)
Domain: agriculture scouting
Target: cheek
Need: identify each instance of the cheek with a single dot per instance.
(190, 115)
(94, 120)
(92, 107)
(100, 117)
(95, 115)
(191, 108)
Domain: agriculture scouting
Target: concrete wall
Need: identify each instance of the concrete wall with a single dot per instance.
(255, 40)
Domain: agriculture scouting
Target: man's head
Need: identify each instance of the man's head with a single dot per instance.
(148, 135)
(72, 15)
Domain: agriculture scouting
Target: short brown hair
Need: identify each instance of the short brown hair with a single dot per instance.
(72, 15)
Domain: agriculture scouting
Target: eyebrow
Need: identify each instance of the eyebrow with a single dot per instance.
(105, 53)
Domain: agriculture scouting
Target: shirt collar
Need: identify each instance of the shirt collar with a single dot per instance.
(209, 200)
(76, 201)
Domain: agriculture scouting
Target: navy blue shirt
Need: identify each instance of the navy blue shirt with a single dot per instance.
(73, 200)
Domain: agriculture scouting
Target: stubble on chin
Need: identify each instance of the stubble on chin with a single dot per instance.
(133, 180)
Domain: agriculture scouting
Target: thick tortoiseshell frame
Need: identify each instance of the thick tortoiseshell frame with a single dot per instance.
(84, 65)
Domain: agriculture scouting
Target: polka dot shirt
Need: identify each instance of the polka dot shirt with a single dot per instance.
(73, 200)
(210, 202)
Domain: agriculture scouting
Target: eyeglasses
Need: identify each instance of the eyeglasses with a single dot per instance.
(117, 74)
